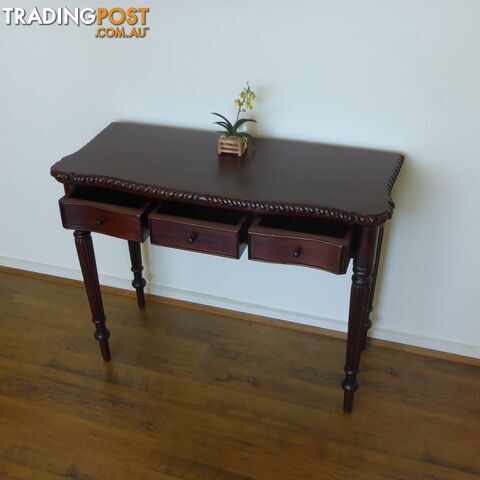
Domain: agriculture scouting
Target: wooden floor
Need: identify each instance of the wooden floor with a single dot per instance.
(199, 396)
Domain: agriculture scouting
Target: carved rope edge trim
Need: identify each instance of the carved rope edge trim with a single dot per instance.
(260, 206)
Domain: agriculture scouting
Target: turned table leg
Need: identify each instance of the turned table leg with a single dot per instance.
(368, 320)
(363, 266)
(138, 281)
(86, 256)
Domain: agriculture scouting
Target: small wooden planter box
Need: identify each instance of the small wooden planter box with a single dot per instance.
(232, 145)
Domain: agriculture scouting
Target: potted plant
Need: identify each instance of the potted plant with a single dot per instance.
(232, 140)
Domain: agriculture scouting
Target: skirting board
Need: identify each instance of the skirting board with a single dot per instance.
(293, 318)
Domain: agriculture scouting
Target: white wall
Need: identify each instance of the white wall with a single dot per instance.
(401, 75)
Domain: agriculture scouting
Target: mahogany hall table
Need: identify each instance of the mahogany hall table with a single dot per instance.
(291, 202)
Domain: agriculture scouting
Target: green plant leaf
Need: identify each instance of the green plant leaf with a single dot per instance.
(242, 121)
(230, 130)
(223, 124)
(224, 118)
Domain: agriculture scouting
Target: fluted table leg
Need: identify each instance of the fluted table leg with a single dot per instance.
(138, 282)
(368, 320)
(86, 256)
(363, 266)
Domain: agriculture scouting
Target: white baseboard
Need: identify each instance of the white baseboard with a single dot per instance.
(251, 308)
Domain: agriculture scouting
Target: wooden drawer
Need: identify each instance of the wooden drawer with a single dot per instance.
(216, 231)
(300, 241)
(105, 211)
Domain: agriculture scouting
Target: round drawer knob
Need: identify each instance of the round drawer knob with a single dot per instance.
(99, 221)
(296, 252)
(192, 238)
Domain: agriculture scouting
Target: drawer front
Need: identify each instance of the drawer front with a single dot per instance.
(271, 245)
(196, 236)
(121, 222)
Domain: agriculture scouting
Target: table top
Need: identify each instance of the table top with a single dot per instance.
(345, 184)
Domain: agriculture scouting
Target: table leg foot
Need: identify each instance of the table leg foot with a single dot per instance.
(102, 335)
(348, 394)
(138, 282)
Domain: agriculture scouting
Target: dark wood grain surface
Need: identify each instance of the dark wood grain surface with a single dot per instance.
(187, 229)
(195, 395)
(121, 221)
(271, 243)
(347, 184)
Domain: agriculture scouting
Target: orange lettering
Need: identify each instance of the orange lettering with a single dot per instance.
(111, 17)
(101, 15)
(132, 17)
(143, 15)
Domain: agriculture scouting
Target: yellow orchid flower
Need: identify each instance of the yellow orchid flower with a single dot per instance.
(243, 103)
